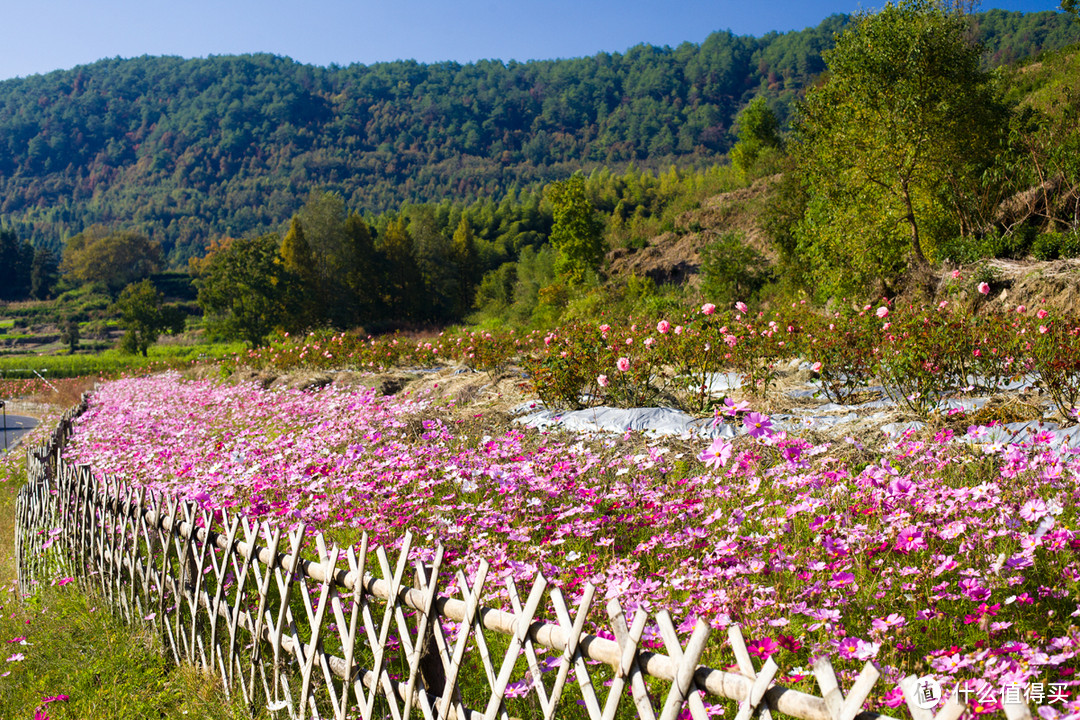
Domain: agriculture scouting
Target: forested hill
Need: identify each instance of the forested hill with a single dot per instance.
(186, 150)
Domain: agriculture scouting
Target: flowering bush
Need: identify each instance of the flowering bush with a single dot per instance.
(921, 354)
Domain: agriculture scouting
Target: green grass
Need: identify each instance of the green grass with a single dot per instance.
(113, 362)
(75, 647)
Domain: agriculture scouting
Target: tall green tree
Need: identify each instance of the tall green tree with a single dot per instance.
(243, 288)
(304, 307)
(906, 114)
(467, 261)
(434, 258)
(44, 273)
(758, 131)
(577, 233)
(16, 259)
(323, 217)
(144, 317)
(366, 277)
(404, 283)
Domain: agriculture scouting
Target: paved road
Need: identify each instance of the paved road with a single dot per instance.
(17, 426)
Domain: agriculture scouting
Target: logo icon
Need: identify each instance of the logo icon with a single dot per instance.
(927, 692)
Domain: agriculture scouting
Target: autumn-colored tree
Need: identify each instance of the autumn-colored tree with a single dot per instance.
(115, 258)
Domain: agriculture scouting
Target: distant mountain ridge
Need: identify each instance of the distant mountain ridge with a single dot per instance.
(187, 150)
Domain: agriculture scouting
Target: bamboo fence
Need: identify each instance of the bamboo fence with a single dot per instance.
(355, 633)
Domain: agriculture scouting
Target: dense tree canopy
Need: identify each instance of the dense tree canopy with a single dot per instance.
(183, 151)
(577, 234)
(16, 262)
(145, 316)
(115, 258)
(905, 116)
(244, 288)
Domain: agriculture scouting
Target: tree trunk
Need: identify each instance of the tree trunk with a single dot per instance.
(920, 260)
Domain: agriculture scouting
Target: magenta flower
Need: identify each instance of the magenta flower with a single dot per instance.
(984, 288)
(734, 408)
(909, 540)
(882, 312)
(757, 424)
(763, 648)
(717, 454)
(663, 326)
(602, 380)
(841, 579)
(741, 307)
(708, 309)
(623, 364)
(982, 611)
(848, 647)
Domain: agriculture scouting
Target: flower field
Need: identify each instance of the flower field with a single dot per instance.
(928, 557)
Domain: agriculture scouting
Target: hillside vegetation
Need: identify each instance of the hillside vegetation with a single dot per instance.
(187, 150)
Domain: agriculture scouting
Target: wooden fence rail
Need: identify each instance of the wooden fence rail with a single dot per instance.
(356, 633)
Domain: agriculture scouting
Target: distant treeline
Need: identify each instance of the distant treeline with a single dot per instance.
(186, 151)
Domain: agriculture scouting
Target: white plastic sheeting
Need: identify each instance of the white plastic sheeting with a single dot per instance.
(654, 421)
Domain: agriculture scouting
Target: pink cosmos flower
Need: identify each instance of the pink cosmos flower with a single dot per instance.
(1021, 308)
(708, 309)
(841, 579)
(602, 380)
(956, 274)
(848, 647)
(663, 326)
(984, 288)
(909, 540)
(623, 364)
(1042, 313)
(757, 424)
(16, 657)
(890, 620)
(882, 312)
(894, 698)
(734, 408)
(605, 328)
(982, 611)
(717, 454)
(741, 307)
(763, 648)
(816, 367)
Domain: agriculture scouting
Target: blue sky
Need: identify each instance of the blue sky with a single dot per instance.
(45, 35)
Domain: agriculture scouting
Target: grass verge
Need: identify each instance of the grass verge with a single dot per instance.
(64, 655)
